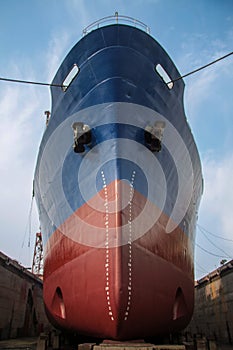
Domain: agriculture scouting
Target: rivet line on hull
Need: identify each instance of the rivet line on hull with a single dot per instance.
(107, 261)
(130, 247)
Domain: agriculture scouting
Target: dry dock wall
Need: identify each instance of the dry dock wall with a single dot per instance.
(21, 303)
(213, 311)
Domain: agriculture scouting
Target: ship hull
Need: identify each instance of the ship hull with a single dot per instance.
(118, 218)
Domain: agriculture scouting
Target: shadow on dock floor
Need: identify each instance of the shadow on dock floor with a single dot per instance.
(32, 344)
(19, 343)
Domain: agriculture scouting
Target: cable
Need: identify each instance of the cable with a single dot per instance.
(65, 86)
(214, 244)
(29, 222)
(198, 69)
(214, 235)
(29, 225)
(203, 230)
(31, 82)
(218, 256)
(200, 267)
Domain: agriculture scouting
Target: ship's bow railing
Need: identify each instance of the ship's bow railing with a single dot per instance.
(115, 20)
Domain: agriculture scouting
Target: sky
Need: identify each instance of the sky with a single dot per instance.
(36, 35)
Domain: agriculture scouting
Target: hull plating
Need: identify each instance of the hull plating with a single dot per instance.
(119, 292)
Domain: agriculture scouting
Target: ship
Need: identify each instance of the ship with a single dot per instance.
(118, 183)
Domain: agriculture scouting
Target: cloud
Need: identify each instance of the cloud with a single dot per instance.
(22, 124)
(57, 50)
(215, 213)
(21, 128)
(84, 12)
(210, 83)
(217, 201)
(209, 105)
(199, 90)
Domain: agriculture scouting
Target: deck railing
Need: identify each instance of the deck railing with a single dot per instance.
(115, 20)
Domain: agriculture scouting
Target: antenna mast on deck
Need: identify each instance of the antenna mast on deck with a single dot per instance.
(37, 263)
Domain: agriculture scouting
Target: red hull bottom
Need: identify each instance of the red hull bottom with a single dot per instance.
(158, 300)
(141, 289)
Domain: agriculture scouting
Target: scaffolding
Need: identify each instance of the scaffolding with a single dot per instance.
(37, 263)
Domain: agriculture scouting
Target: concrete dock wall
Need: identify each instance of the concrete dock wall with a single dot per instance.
(213, 312)
(21, 302)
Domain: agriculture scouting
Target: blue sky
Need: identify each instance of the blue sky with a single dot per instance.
(35, 36)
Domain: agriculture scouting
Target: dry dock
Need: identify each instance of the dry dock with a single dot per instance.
(21, 304)
(213, 311)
